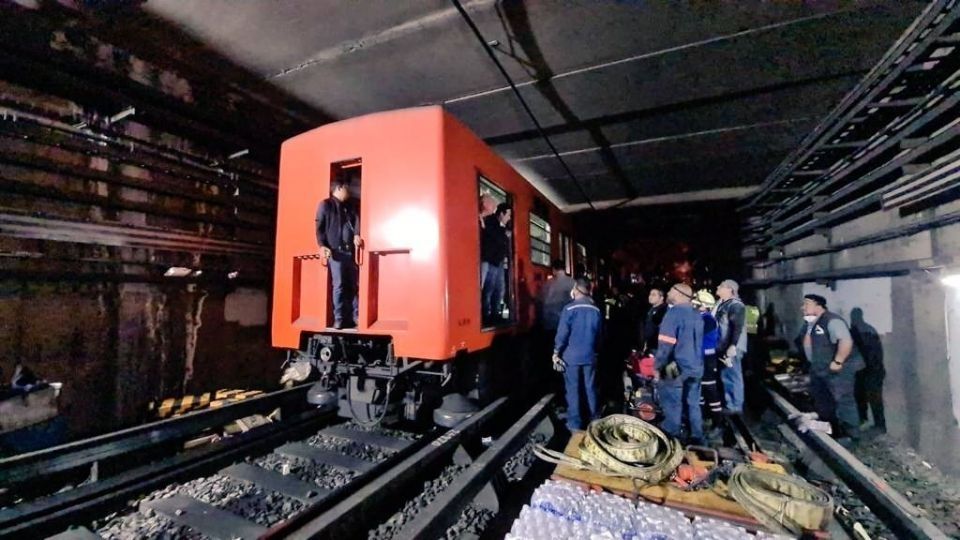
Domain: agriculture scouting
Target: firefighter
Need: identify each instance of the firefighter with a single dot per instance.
(575, 352)
(711, 394)
(826, 344)
(679, 364)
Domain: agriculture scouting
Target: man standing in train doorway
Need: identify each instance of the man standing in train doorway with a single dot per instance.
(338, 235)
(494, 262)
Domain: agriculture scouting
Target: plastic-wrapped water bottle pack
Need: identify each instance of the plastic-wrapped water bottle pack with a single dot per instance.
(565, 510)
(714, 529)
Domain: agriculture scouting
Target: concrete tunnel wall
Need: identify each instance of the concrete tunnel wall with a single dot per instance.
(100, 317)
(117, 347)
(918, 394)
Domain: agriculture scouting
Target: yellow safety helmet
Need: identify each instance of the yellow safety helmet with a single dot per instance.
(704, 298)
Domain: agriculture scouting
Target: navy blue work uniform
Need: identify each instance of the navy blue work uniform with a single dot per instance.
(577, 342)
(681, 341)
(710, 387)
(337, 223)
(833, 393)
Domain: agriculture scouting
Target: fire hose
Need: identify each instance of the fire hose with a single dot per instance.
(782, 503)
(623, 446)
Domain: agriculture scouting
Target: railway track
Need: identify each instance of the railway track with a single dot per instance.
(303, 478)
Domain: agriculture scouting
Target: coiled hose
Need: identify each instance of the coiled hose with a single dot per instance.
(785, 504)
(623, 446)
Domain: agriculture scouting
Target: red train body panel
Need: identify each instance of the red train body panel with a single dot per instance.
(419, 274)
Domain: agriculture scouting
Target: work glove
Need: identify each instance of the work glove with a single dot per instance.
(558, 364)
(732, 352)
(727, 361)
(295, 373)
(670, 371)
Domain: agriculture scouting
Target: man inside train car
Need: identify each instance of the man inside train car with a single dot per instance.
(679, 364)
(575, 352)
(494, 261)
(731, 315)
(338, 235)
(826, 344)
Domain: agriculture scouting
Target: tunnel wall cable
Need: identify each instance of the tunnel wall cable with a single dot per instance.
(490, 52)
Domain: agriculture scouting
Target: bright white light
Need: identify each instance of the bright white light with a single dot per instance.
(130, 111)
(413, 229)
(177, 271)
(233, 275)
(952, 280)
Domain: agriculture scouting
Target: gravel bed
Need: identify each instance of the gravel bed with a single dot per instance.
(347, 447)
(431, 489)
(242, 498)
(322, 475)
(920, 481)
(386, 432)
(524, 458)
(473, 521)
(135, 525)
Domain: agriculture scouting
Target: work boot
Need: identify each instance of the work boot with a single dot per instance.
(338, 325)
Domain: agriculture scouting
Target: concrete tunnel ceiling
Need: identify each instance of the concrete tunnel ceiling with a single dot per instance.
(647, 101)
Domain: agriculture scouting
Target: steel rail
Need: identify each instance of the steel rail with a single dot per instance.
(55, 513)
(84, 453)
(903, 518)
(347, 519)
(446, 509)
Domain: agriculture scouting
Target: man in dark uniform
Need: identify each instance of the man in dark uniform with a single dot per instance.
(825, 342)
(494, 258)
(575, 352)
(869, 386)
(679, 364)
(338, 235)
(651, 323)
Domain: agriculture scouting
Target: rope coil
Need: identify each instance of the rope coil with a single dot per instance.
(782, 503)
(622, 446)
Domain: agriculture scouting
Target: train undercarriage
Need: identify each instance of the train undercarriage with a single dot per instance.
(361, 378)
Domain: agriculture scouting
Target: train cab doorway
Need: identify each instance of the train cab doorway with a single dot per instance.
(345, 256)
(497, 294)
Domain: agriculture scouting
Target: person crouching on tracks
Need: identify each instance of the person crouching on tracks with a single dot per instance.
(826, 344)
(575, 352)
(679, 364)
(711, 394)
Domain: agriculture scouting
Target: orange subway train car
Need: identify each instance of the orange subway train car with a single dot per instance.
(423, 181)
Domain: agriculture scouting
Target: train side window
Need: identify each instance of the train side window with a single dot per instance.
(539, 240)
(565, 254)
(497, 297)
(581, 266)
